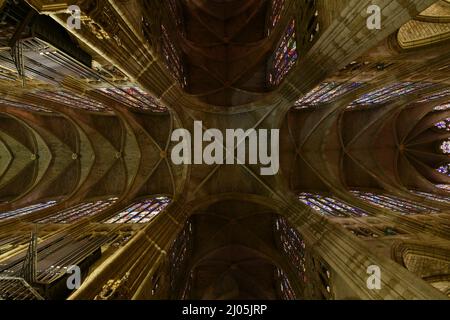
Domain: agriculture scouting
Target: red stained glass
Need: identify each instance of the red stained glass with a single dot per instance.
(285, 56)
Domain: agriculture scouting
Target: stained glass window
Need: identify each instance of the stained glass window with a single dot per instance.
(445, 147)
(442, 107)
(277, 7)
(443, 186)
(172, 58)
(80, 211)
(292, 245)
(443, 125)
(444, 169)
(330, 205)
(285, 288)
(178, 255)
(435, 96)
(141, 212)
(314, 275)
(326, 92)
(430, 196)
(134, 97)
(324, 275)
(26, 210)
(73, 100)
(390, 92)
(285, 56)
(395, 203)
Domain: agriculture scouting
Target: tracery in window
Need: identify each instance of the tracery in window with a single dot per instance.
(390, 92)
(80, 211)
(172, 57)
(324, 276)
(284, 286)
(326, 92)
(141, 212)
(27, 210)
(293, 246)
(435, 96)
(443, 125)
(394, 203)
(431, 196)
(178, 255)
(330, 205)
(284, 57)
(445, 147)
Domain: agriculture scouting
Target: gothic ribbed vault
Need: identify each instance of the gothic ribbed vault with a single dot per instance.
(87, 179)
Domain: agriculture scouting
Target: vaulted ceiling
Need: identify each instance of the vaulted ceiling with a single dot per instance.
(52, 148)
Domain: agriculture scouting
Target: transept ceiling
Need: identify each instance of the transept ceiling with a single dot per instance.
(87, 114)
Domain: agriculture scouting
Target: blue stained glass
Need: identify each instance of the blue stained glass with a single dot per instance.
(77, 212)
(292, 245)
(26, 210)
(430, 196)
(331, 206)
(435, 96)
(326, 92)
(390, 92)
(445, 169)
(445, 147)
(443, 125)
(394, 203)
(285, 56)
(141, 212)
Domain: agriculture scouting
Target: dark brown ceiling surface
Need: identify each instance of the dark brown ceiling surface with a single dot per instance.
(74, 154)
(226, 50)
